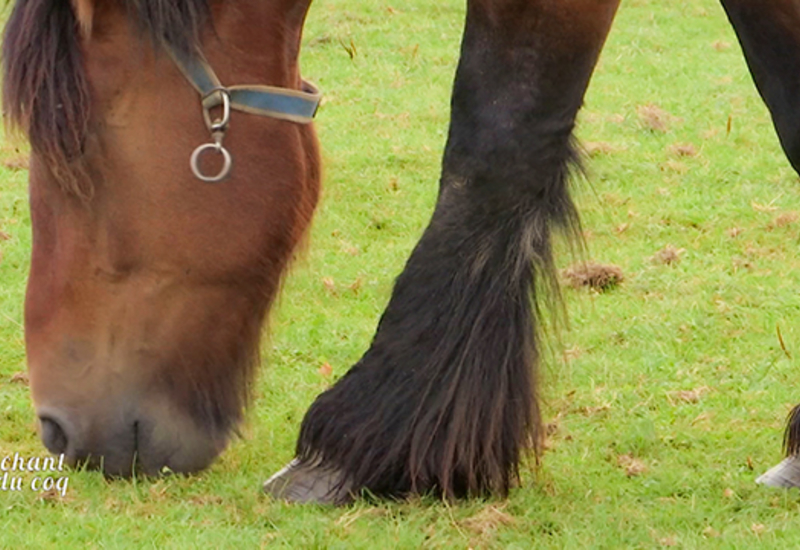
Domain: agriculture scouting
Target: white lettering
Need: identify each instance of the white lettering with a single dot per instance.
(19, 463)
(16, 483)
(61, 485)
(33, 464)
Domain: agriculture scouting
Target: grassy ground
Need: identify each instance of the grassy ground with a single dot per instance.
(667, 395)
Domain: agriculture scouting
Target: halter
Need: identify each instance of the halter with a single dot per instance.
(298, 106)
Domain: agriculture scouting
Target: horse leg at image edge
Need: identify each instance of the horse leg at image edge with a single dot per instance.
(769, 33)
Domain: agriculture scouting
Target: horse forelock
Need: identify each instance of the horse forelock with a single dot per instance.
(45, 88)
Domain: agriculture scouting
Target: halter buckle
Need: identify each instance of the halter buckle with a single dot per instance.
(218, 97)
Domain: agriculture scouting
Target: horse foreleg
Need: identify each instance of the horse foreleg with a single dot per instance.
(769, 33)
(444, 400)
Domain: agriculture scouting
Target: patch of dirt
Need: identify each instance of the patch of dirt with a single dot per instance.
(653, 118)
(551, 430)
(612, 199)
(734, 232)
(669, 255)
(488, 520)
(591, 411)
(207, 500)
(324, 39)
(674, 166)
(329, 285)
(597, 148)
(633, 466)
(600, 277)
(355, 286)
(787, 218)
(20, 378)
(52, 495)
(349, 249)
(17, 163)
(783, 220)
(683, 150)
(687, 396)
(742, 263)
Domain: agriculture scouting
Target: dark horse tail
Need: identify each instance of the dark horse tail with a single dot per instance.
(445, 399)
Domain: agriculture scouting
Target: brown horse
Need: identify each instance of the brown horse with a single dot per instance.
(148, 288)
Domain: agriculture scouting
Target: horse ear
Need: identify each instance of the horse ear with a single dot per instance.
(84, 13)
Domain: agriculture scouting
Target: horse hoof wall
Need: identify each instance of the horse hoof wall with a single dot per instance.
(785, 474)
(308, 483)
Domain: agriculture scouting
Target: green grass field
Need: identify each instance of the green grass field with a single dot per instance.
(665, 398)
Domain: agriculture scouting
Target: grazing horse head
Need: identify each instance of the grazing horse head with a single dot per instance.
(148, 288)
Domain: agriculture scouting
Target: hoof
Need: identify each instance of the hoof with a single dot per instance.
(786, 474)
(308, 483)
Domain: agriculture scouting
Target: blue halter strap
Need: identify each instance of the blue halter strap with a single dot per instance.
(298, 106)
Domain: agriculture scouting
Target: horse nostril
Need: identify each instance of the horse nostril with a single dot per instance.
(53, 436)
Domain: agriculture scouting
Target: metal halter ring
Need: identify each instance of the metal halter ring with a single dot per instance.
(218, 97)
(227, 162)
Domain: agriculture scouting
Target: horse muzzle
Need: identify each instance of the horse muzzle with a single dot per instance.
(124, 444)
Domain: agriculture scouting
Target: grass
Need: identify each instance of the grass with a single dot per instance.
(666, 397)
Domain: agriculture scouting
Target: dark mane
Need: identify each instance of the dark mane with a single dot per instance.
(45, 90)
(176, 22)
